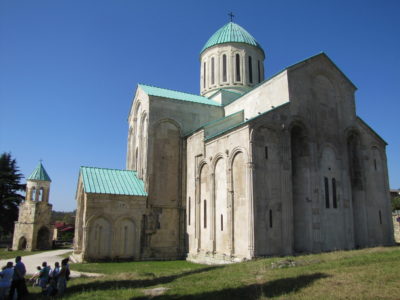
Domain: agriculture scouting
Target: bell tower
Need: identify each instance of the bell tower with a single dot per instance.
(33, 229)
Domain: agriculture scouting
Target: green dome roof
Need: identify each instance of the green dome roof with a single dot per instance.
(39, 174)
(231, 33)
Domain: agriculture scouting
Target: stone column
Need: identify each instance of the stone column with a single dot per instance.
(287, 195)
(250, 170)
(197, 213)
(212, 213)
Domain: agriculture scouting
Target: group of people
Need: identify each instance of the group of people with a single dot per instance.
(52, 281)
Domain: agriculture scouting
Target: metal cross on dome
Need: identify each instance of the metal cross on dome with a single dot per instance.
(231, 15)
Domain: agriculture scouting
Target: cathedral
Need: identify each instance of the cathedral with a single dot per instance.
(251, 167)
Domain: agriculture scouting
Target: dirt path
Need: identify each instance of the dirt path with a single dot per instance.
(32, 261)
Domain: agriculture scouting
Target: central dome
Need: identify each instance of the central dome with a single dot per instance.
(231, 33)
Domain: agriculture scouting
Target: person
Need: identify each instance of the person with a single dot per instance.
(44, 276)
(52, 290)
(68, 272)
(62, 278)
(18, 281)
(6, 276)
(35, 277)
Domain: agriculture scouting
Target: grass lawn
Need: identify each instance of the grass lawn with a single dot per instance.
(360, 274)
(4, 254)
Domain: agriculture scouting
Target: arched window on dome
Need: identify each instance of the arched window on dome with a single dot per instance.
(224, 77)
(237, 62)
(250, 70)
(204, 75)
(212, 70)
(259, 71)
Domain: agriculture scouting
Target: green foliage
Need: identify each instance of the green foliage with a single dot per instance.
(396, 203)
(65, 216)
(10, 185)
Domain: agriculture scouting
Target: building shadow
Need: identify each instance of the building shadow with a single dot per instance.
(274, 288)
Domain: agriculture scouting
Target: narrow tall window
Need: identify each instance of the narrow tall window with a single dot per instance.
(190, 210)
(266, 152)
(204, 75)
(224, 77)
(259, 71)
(270, 218)
(375, 164)
(334, 193)
(250, 70)
(205, 214)
(237, 67)
(326, 192)
(222, 222)
(380, 217)
(212, 71)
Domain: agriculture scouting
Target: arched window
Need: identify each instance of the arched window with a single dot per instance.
(33, 197)
(237, 67)
(212, 71)
(259, 71)
(224, 77)
(204, 75)
(40, 194)
(250, 70)
(222, 222)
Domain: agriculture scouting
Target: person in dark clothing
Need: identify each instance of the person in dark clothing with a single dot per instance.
(18, 282)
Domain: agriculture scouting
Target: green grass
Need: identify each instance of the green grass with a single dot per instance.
(4, 254)
(360, 274)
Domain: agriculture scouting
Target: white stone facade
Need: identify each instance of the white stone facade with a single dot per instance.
(280, 168)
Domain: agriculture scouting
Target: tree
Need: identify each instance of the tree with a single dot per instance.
(10, 185)
(396, 203)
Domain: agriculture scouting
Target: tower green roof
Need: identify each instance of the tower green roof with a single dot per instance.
(39, 174)
(231, 33)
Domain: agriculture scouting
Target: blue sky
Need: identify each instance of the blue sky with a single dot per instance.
(69, 69)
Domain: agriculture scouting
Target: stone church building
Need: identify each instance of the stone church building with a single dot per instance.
(250, 167)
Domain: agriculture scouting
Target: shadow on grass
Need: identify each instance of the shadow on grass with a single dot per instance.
(270, 289)
(101, 285)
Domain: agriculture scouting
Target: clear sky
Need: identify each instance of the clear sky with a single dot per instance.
(69, 68)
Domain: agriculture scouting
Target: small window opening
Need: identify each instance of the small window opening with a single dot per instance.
(224, 77)
(380, 217)
(205, 214)
(212, 71)
(250, 70)
(222, 222)
(237, 67)
(190, 211)
(270, 218)
(375, 164)
(259, 71)
(334, 198)
(326, 192)
(266, 152)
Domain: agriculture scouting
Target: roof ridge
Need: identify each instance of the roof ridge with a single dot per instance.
(157, 87)
(107, 168)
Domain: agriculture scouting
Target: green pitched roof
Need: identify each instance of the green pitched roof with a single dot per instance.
(39, 174)
(231, 33)
(171, 94)
(111, 181)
